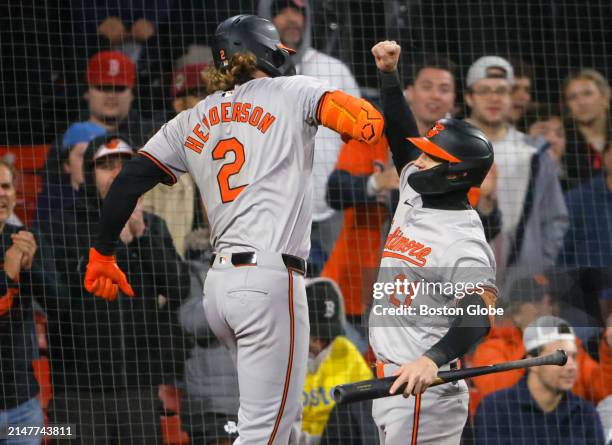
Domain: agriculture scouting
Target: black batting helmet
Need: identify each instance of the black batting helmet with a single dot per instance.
(249, 33)
(466, 150)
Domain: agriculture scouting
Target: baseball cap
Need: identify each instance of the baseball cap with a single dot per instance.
(111, 68)
(113, 145)
(545, 330)
(81, 132)
(480, 69)
(186, 78)
(325, 308)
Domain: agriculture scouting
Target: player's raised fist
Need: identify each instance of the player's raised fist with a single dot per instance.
(386, 54)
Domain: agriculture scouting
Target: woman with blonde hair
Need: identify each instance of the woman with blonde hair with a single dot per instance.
(587, 99)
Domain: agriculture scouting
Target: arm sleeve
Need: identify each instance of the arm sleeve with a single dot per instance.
(399, 121)
(466, 331)
(137, 176)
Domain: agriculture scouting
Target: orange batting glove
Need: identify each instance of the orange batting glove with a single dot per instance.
(103, 278)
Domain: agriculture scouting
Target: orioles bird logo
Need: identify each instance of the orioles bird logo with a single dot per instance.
(437, 128)
(112, 144)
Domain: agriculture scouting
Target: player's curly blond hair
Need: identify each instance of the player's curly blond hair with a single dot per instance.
(240, 69)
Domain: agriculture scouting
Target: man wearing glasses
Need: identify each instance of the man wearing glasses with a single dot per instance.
(534, 216)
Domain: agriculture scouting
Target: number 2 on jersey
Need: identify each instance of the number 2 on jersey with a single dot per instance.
(233, 145)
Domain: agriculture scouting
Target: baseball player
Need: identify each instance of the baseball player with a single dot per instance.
(435, 238)
(249, 148)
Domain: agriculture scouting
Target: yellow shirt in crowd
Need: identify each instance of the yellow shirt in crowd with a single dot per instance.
(343, 364)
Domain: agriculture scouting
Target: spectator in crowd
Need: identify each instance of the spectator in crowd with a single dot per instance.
(431, 94)
(60, 194)
(431, 91)
(360, 185)
(545, 121)
(529, 299)
(177, 204)
(541, 405)
(211, 395)
(521, 92)
(587, 98)
(292, 19)
(111, 77)
(332, 360)
(137, 29)
(108, 358)
(528, 191)
(588, 242)
(110, 80)
(24, 276)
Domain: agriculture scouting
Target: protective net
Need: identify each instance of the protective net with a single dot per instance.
(85, 84)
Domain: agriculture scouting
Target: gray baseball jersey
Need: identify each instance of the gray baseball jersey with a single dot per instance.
(250, 152)
(440, 254)
(425, 247)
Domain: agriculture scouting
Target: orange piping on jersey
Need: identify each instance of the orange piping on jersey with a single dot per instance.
(213, 115)
(426, 146)
(265, 122)
(236, 111)
(225, 106)
(397, 242)
(415, 419)
(193, 144)
(165, 169)
(290, 362)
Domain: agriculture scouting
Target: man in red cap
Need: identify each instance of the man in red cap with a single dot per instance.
(111, 77)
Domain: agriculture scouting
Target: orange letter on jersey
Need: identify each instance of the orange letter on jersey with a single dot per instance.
(265, 123)
(193, 144)
(350, 116)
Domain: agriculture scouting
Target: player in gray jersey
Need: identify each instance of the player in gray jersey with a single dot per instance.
(249, 148)
(436, 282)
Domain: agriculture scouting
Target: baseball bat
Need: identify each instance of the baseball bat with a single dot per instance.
(378, 388)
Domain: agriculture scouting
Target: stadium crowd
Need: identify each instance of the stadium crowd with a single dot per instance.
(149, 369)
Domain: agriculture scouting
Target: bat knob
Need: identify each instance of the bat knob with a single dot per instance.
(562, 357)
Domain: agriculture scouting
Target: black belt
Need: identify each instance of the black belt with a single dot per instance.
(250, 259)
